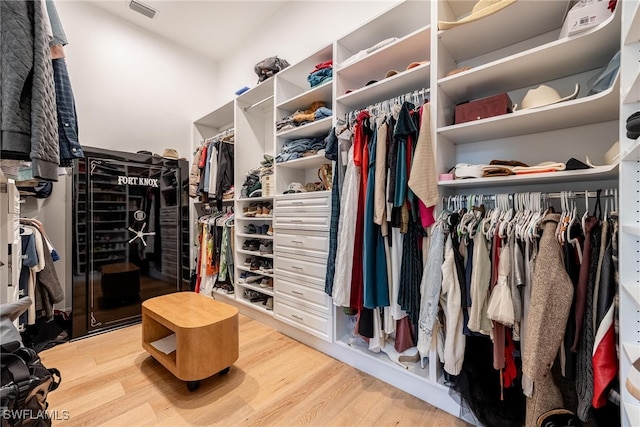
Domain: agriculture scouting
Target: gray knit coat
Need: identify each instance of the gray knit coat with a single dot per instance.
(551, 296)
(29, 123)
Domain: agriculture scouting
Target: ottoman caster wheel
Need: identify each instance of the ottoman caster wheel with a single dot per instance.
(225, 371)
(193, 385)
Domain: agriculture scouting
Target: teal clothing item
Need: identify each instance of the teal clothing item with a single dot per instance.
(376, 287)
(405, 128)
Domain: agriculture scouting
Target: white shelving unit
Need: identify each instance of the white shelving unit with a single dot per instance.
(629, 246)
(520, 49)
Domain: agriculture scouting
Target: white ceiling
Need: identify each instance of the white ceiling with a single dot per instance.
(212, 28)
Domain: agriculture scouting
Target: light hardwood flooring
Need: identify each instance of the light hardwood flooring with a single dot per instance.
(110, 380)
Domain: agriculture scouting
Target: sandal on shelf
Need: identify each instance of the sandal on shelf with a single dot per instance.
(325, 174)
(313, 186)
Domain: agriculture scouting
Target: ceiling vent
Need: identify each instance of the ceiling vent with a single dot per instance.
(142, 9)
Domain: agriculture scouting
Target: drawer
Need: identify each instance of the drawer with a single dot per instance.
(313, 223)
(304, 205)
(313, 298)
(314, 324)
(313, 272)
(315, 244)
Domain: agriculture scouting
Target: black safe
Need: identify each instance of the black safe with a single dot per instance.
(130, 235)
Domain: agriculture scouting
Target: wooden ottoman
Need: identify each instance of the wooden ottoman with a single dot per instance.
(206, 334)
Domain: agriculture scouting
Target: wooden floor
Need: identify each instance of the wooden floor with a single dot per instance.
(110, 380)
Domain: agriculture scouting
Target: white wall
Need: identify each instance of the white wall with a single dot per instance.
(134, 91)
(296, 32)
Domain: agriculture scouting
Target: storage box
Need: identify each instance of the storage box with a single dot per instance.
(482, 108)
(584, 15)
(268, 185)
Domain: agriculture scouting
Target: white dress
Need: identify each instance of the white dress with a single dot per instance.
(346, 234)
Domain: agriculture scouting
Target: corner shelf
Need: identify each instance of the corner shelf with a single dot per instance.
(305, 162)
(633, 413)
(632, 154)
(401, 83)
(254, 253)
(634, 292)
(266, 291)
(631, 229)
(633, 30)
(255, 236)
(257, 306)
(262, 273)
(321, 92)
(597, 108)
(546, 15)
(599, 173)
(566, 56)
(315, 128)
(632, 95)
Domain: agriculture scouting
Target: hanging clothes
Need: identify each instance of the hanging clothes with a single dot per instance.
(551, 297)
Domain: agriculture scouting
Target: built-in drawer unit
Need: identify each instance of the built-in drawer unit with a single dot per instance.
(308, 296)
(311, 271)
(314, 324)
(308, 243)
(303, 205)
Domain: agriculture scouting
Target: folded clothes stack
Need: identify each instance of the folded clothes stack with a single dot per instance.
(252, 186)
(296, 148)
(513, 167)
(316, 111)
(323, 72)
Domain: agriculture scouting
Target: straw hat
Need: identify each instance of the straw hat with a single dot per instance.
(170, 153)
(480, 10)
(544, 95)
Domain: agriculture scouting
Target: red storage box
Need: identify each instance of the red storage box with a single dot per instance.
(482, 108)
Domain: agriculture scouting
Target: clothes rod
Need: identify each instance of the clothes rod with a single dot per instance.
(258, 103)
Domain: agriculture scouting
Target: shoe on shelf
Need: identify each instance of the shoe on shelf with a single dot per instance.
(267, 266)
(633, 380)
(250, 229)
(243, 277)
(254, 245)
(245, 245)
(269, 303)
(259, 212)
(248, 261)
(270, 231)
(267, 282)
(266, 248)
(253, 278)
(255, 264)
(266, 210)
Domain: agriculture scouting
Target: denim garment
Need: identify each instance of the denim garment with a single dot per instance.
(319, 76)
(67, 119)
(431, 286)
(323, 112)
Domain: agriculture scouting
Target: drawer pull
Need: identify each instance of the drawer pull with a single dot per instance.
(298, 293)
(296, 220)
(296, 241)
(297, 203)
(300, 318)
(295, 267)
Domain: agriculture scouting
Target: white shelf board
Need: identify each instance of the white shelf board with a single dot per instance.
(632, 95)
(632, 154)
(309, 194)
(633, 413)
(266, 291)
(633, 30)
(598, 173)
(260, 95)
(262, 273)
(255, 199)
(296, 73)
(520, 21)
(563, 57)
(257, 306)
(398, 20)
(597, 108)
(322, 92)
(305, 162)
(401, 83)
(316, 128)
(633, 290)
(253, 218)
(631, 229)
(632, 351)
(255, 236)
(397, 55)
(254, 253)
(220, 117)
